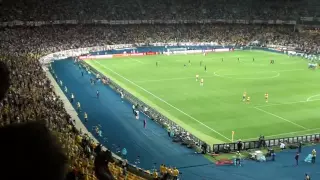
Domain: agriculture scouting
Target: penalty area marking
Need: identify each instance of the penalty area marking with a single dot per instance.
(135, 60)
(281, 118)
(310, 98)
(163, 101)
(295, 102)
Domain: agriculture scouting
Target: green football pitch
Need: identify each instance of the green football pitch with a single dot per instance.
(212, 111)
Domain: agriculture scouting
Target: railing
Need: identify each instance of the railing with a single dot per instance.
(156, 21)
(268, 142)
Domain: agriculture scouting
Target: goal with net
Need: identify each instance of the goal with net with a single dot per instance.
(176, 50)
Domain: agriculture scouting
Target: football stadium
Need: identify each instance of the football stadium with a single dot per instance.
(160, 90)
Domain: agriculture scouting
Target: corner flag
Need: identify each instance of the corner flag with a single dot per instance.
(232, 136)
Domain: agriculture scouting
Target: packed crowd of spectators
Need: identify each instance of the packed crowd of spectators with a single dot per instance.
(48, 39)
(157, 9)
(31, 95)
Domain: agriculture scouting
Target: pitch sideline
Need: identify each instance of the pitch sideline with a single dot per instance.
(163, 100)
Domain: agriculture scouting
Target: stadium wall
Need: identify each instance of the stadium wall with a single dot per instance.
(290, 141)
(152, 51)
(125, 50)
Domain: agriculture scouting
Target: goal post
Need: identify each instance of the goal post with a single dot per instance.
(174, 50)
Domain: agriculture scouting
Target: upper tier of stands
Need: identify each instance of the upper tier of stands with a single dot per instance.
(157, 9)
(49, 39)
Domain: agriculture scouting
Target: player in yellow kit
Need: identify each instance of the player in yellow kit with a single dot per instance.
(201, 82)
(266, 96)
(197, 77)
(244, 96)
(248, 99)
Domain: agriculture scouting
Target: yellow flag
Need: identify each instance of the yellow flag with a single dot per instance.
(232, 136)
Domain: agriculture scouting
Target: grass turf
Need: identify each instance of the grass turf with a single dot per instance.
(211, 112)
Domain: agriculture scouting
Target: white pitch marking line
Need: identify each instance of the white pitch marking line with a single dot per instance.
(226, 76)
(215, 74)
(171, 79)
(276, 135)
(275, 76)
(290, 70)
(136, 60)
(295, 102)
(290, 63)
(163, 101)
(168, 79)
(280, 118)
(261, 72)
(310, 98)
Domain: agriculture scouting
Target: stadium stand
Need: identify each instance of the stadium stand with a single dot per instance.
(21, 47)
(36, 40)
(154, 9)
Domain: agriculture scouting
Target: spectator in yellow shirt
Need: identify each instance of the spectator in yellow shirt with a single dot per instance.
(155, 175)
(166, 170)
(163, 169)
(79, 139)
(93, 145)
(169, 171)
(175, 173)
